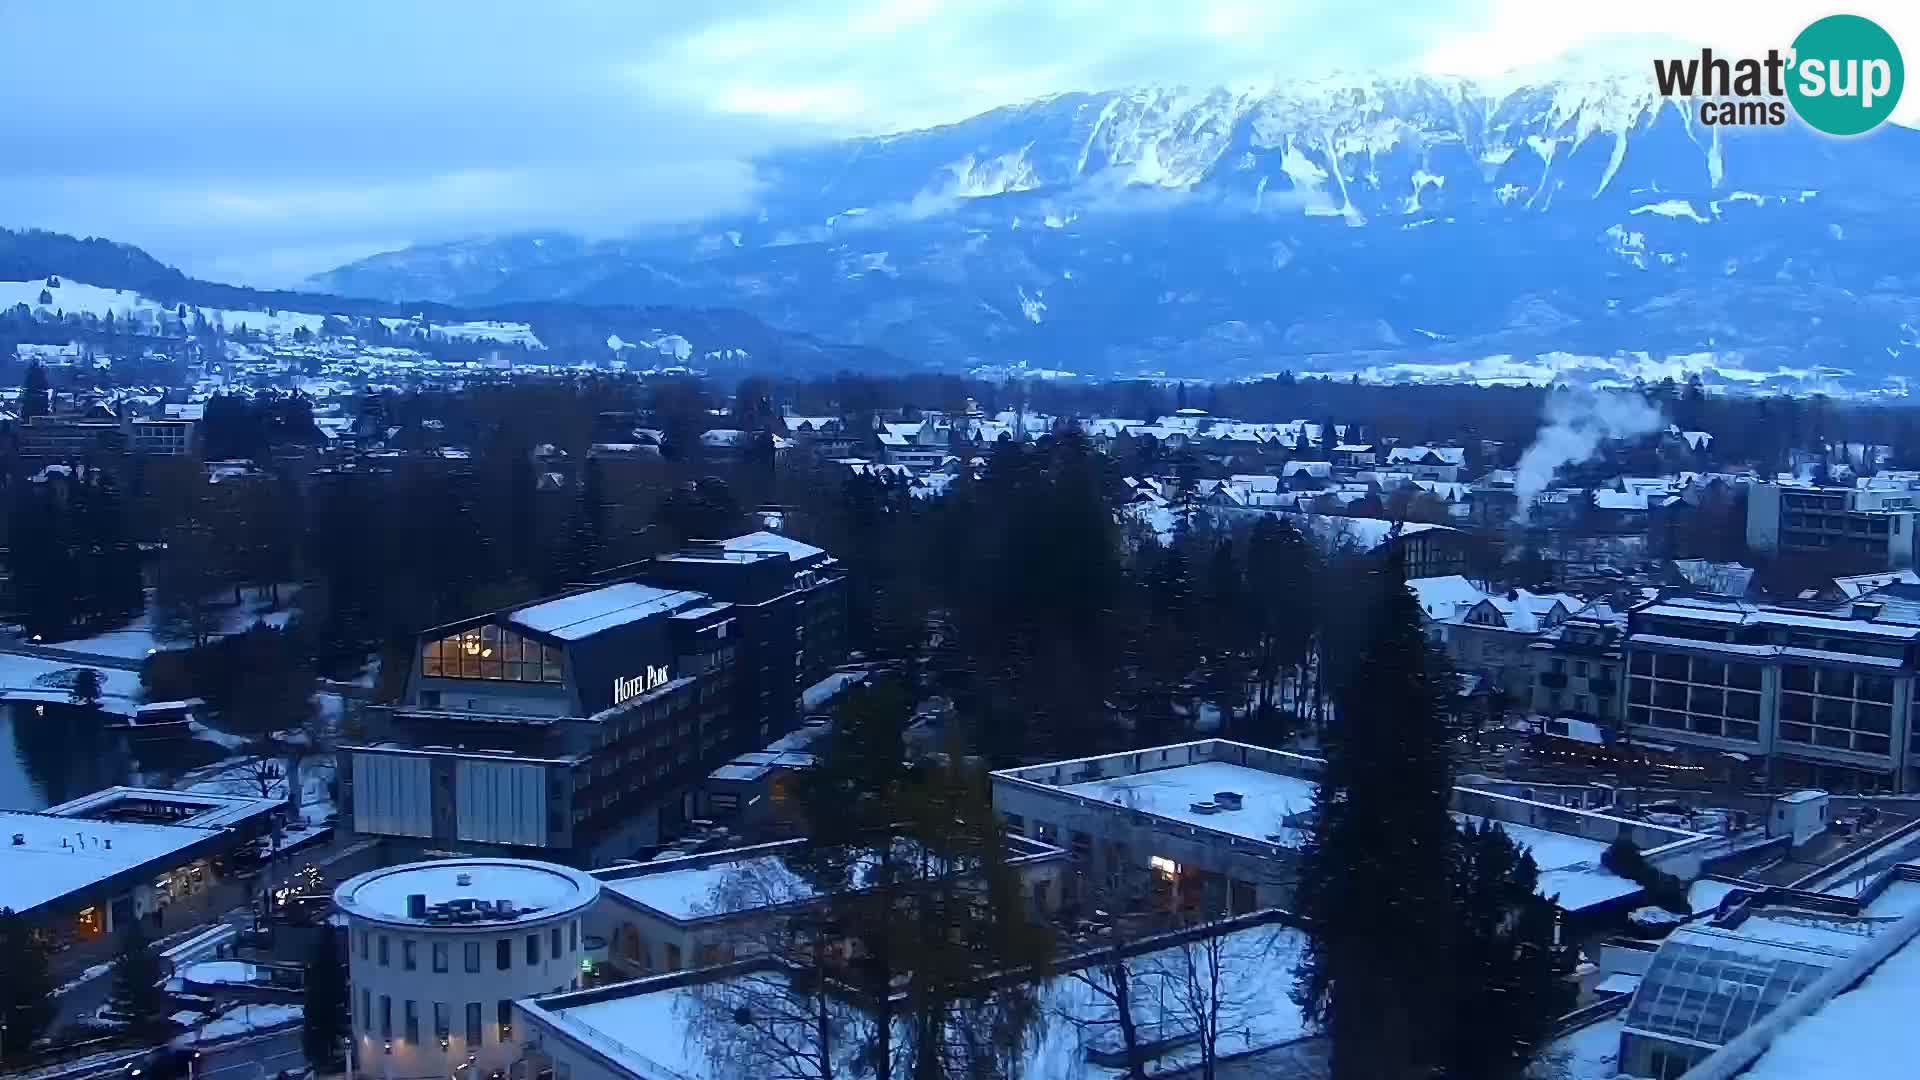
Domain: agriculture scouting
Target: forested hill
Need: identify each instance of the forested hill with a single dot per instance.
(714, 338)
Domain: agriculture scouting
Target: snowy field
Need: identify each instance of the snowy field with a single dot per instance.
(32, 678)
(136, 639)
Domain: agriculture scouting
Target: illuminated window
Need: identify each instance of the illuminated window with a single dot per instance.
(491, 652)
(1163, 865)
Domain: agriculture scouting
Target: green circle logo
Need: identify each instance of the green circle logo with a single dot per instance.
(1846, 75)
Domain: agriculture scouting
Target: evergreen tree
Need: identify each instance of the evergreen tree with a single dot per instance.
(136, 995)
(1509, 973)
(941, 907)
(1226, 633)
(587, 531)
(85, 691)
(40, 561)
(26, 990)
(36, 393)
(185, 587)
(1374, 887)
(324, 1012)
(1280, 576)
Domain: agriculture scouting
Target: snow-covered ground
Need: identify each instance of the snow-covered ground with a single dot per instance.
(136, 639)
(33, 678)
(1590, 1053)
(241, 1021)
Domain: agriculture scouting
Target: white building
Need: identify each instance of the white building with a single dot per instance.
(1219, 824)
(440, 950)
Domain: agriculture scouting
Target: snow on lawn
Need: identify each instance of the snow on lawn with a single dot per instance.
(136, 639)
(241, 1021)
(32, 678)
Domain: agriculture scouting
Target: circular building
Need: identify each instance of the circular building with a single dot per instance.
(440, 950)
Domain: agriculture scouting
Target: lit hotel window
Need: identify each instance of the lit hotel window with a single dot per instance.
(1163, 865)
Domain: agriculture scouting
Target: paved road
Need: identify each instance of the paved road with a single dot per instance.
(258, 1057)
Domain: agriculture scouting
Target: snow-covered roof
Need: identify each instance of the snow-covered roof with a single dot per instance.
(772, 541)
(1862, 1032)
(1445, 597)
(650, 1027)
(582, 615)
(1268, 798)
(1444, 455)
(537, 890)
(59, 856)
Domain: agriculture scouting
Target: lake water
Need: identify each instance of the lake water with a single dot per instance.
(50, 754)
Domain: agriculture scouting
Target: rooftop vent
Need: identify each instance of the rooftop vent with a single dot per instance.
(19, 839)
(1866, 611)
(463, 880)
(1227, 800)
(1204, 807)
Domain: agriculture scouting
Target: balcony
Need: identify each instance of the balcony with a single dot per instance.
(1553, 680)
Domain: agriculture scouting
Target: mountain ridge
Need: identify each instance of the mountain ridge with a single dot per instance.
(1331, 225)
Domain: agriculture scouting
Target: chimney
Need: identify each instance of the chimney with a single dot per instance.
(416, 905)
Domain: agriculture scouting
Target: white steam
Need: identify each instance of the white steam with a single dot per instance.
(1577, 423)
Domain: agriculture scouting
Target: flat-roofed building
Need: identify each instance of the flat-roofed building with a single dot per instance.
(1219, 825)
(1815, 696)
(90, 866)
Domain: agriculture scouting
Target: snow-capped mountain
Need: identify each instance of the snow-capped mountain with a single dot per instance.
(1337, 224)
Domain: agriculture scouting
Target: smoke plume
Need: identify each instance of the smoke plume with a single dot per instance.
(1576, 423)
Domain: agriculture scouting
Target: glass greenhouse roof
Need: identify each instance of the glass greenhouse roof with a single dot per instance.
(1706, 987)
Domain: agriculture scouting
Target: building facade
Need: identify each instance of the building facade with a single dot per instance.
(1871, 524)
(1816, 698)
(1577, 667)
(438, 952)
(581, 727)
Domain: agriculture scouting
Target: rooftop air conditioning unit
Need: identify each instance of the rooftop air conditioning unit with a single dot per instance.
(1227, 800)
(1204, 807)
(463, 880)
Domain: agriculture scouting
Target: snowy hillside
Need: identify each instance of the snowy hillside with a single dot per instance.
(1421, 228)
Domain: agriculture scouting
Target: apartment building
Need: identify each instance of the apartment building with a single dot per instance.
(1578, 665)
(1814, 697)
(1876, 523)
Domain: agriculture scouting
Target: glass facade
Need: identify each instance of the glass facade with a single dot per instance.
(491, 652)
(1707, 989)
(1829, 707)
(1695, 693)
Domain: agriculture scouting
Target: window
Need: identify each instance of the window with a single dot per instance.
(553, 944)
(442, 1021)
(1016, 825)
(360, 942)
(382, 949)
(1797, 677)
(491, 652)
(1670, 666)
(573, 936)
(1559, 666)
(409, 958)
(473, 957)
(533, 949)
(366, 1011)
(673, 958)
(1640, 663)
(413, 1022)
(503, 950)
(503, 1016)
(386, 1017)
(473, 1024)
(1744, 676)
(440, 956)
(1799, 733)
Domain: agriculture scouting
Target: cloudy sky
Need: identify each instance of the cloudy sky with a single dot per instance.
(260, 142)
